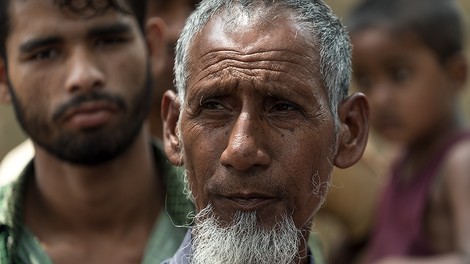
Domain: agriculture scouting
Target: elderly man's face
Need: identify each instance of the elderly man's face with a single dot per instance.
(256, 131)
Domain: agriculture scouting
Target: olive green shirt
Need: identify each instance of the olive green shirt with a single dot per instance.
(18, 245)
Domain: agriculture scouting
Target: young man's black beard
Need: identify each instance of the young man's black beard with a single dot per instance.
(92, 147)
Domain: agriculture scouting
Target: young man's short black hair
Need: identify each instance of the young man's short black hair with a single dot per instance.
(437, 23)
(135, 7)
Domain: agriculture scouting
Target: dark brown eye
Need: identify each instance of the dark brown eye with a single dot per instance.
(362, 83)
(283, 107)
(110, 40)
(45, 54)
(400, 74)
(212, 105)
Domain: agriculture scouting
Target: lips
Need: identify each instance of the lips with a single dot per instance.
(247, 201)
(250, 204)
(90, 114)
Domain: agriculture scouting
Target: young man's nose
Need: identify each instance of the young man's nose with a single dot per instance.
(246, 145)
(84, 72)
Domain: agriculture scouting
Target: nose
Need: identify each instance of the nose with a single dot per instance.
(246, 144)
(84, 73)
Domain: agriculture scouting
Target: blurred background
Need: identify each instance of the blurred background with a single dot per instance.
(11, 134)
(342, 7)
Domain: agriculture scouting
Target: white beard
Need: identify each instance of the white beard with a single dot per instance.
(244, 241)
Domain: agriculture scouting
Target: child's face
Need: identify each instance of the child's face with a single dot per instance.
(406, 84)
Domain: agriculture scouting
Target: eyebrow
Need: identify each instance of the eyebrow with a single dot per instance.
(115, 28)
(112, 29)
(33, 44)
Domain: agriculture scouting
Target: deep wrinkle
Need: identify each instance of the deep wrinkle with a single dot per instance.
(229, 98)
(281, 61)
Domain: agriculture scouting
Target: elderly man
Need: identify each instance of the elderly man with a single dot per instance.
(260, 118)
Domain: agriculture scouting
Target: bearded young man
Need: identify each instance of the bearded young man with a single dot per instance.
(261, 116)
(97, 190)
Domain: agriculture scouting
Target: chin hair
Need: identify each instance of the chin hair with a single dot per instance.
(244, 240)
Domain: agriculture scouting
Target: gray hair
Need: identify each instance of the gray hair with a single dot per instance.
(316, 21)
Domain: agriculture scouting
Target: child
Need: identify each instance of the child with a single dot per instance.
(408, 60)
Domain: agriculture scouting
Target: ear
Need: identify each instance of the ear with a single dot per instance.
(457, 67)
(354, 131)
(170, 114)
(155, 35)
(5, 96)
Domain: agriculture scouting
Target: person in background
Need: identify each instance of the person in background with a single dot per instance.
(342, 226)
(408, 59)
(174, 14)
(98, 190)
(260, 117)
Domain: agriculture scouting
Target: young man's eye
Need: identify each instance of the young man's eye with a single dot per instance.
(110, 40)
(44, 54)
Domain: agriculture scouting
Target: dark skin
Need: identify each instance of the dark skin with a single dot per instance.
(173, 17)
(84, 214)
(413, 97)
(252, 116)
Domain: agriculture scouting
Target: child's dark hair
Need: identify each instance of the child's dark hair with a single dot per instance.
(135, 7)
(437, 23)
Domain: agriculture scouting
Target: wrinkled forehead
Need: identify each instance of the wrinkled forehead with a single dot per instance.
(256, 30)
(253, 51)
(255, 36)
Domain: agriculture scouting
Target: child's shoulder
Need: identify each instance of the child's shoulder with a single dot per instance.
(456, 165)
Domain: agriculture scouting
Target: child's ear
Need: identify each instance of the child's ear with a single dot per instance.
(457, 70)
(155, 34)
(354, 131)
(170, 115)
(5, 96)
